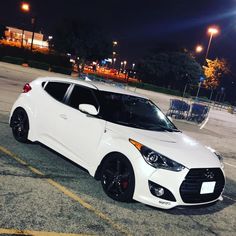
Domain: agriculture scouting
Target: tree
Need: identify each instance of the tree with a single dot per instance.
(82, 40)
(171, 69)
(214, 71)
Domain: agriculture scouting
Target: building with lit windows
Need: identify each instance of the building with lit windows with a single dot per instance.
(14, 37)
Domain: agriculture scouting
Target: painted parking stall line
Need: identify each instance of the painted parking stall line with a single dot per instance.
(229, 165)
(229, 198)
(68, 193)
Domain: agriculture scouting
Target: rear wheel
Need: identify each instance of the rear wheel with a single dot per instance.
(20, 125)
(117, 178)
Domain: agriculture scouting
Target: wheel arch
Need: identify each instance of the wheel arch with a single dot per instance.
(18, 108)
(30, 114)
(97, 175)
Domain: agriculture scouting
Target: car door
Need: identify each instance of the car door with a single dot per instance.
(50, 112)
(82, 132)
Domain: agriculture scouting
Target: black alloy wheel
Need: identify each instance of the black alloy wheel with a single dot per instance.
(117, 178)
(20, 125)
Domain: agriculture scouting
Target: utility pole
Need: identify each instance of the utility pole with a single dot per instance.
(33, 22)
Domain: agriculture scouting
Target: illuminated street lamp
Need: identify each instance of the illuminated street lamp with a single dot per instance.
(113, 62)
(25, 7)
(113, 59)
(125, 62)
(121, 65)
(133, 65)
(212, 31)
(114, 43)
(199, 49)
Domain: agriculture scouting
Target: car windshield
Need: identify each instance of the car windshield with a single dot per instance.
(133, 111)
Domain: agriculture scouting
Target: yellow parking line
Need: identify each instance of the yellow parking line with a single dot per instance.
(9, 153)
(36, 233)
(87, 206)
(35, 171)
(68, 193)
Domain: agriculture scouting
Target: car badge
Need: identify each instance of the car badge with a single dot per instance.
(209, 174)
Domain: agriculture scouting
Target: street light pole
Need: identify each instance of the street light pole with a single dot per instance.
(25, 7)
(114, 44)
(198, 90)
(208, 47)
(22, 38)
(121, 65)
(125, 62)
(114, 62)
(199, 86)
(33, 21)
(212, 31)
(113, 56)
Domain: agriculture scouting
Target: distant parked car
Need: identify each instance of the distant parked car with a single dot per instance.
(122, 139)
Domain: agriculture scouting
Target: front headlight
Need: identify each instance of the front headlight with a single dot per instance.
(156, 159)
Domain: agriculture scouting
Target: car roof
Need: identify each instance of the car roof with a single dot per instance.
(102, 86)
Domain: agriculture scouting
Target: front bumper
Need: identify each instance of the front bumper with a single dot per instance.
(184, 185)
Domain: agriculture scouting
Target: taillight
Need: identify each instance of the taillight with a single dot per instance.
(26, 88)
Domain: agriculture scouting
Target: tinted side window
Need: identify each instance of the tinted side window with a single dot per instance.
(57, 90)
(81, 95)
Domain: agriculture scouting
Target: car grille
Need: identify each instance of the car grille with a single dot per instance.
(191, 186)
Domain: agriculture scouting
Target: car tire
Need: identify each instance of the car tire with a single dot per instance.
(117, 178)
(20, 125)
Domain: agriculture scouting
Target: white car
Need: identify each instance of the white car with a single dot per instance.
(121, 138)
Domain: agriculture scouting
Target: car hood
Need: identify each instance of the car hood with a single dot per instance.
(174, 145)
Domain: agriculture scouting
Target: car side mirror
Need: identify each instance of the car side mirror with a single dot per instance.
(89, 109)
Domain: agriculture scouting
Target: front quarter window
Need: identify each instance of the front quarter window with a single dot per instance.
(82, 95)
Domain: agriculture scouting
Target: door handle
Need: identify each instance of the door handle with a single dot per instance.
(63, 116)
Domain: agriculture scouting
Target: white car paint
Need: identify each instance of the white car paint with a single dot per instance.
(87, 140)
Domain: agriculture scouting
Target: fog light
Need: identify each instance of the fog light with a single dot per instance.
(159, 191)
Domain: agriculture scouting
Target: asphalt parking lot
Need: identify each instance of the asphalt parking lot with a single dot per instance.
(42, 193)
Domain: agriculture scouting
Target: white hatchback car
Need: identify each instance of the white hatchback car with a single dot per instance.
(122, 139)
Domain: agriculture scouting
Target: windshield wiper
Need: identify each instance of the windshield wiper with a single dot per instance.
(129, 124)
(145, 126)
(170, 129)
(163, 128)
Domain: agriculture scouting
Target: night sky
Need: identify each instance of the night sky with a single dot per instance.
(141, 25)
